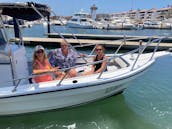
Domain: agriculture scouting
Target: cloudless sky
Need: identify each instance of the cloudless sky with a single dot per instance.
(68, 7)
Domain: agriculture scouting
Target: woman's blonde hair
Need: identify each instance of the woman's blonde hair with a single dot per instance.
(35, 55)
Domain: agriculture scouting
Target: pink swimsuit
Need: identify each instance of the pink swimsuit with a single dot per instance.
(43, 78)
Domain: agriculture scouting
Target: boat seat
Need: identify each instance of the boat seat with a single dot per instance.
(4, 58)
(118, 62)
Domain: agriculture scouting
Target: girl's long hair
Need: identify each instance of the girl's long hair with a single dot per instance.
(36, 58)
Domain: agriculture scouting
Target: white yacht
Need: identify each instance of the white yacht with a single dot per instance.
(121, 23)
(80, 20)
(59, 22)
(154, 24)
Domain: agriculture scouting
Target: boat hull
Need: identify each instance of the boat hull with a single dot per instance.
(57, 99)
(79, 25)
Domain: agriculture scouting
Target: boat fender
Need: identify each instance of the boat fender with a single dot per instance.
(75, 81)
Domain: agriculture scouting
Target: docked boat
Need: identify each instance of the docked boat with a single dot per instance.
(59, 22)
(8, 23)
(122, 23)
(18, 95)
(54, 22)
(80, 20)
(153, 24)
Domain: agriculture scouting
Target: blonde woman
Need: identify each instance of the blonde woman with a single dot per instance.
(41, 65)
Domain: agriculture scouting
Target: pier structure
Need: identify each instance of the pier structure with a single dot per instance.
(130, 42)
(105, 37)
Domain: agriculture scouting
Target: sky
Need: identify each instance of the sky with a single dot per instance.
(68, 7)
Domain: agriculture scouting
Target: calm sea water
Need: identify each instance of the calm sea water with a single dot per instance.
(35, 31)
(145, 104)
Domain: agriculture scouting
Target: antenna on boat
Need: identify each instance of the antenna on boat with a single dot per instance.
(132, 8)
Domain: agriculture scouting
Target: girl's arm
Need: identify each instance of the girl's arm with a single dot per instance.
(37, 70)
(103, 66)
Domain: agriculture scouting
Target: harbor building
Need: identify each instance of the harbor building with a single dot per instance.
(141, 15)
(93, 11)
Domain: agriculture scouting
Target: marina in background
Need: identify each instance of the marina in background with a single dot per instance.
(133, 20)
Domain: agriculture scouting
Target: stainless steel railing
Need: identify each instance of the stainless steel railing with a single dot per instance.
(140, 50)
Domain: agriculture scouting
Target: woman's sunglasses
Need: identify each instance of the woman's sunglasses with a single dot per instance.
(98, 49)
(40, 51)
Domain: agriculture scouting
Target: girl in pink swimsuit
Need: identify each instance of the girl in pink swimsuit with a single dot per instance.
(41, 65)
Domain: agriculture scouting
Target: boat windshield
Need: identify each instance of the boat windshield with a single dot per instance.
(74, 20)
(83, 20)
(81, 15)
